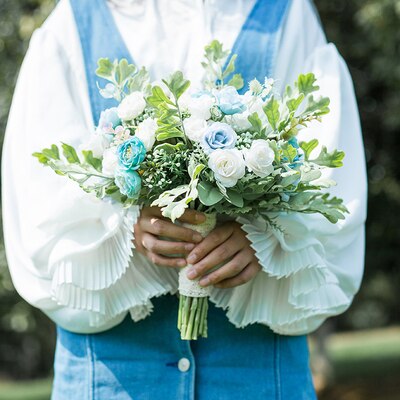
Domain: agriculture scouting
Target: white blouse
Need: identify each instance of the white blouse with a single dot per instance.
(72, 256)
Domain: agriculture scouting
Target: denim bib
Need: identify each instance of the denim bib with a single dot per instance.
(256, 44)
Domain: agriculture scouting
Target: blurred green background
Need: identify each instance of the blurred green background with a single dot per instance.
(348, 351)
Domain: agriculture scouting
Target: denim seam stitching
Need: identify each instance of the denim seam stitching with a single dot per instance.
(277, 366)
(91, 366)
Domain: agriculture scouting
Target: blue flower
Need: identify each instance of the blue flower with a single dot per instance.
(218, 136)
(109, 120)
(131, 153)
(229, 101)
(129, 182)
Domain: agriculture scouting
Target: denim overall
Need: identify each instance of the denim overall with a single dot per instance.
(147, 360)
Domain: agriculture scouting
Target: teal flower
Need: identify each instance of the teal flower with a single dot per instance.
(129, 182)
(131, 153)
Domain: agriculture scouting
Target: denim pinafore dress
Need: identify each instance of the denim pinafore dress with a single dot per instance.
(147, 360)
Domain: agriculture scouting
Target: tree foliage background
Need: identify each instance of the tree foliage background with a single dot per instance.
(367, 35)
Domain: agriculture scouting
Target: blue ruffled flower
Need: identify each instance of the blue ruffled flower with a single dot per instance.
(218, 136)
(131, 153)
(109, 120)
(229, 101)
(129, 182)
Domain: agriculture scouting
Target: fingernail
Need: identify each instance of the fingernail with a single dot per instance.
(192, 259)
(204, 282)
(197, 238)
(191, 273)
(189, 247)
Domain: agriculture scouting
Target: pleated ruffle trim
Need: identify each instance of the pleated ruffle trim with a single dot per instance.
(293, 294)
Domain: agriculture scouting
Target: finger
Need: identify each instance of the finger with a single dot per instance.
(243, 277)
(209, 243)
(192, 217)
(171, 262)
(155, 245)
(160, 227)
(151, 211)
(220, 254)
(230, 269)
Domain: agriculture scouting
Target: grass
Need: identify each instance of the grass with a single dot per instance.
(366, 366)
(26, 390)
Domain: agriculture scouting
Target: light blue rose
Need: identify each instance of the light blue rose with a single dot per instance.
(229, 101)
(218, 136)
(129, 182)
(109, 120)
(131, 153)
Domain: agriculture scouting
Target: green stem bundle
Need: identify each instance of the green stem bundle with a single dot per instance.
(192, 317)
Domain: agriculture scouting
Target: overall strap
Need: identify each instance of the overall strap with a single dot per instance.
(259, 39)
(100, 38)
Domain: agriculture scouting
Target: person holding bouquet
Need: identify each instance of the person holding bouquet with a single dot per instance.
(106, 274)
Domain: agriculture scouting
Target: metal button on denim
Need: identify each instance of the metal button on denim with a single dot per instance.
(183, 365)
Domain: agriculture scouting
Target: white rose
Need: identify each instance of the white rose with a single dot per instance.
(110, 161)
(200, 107)
(131, 106)
(195, 128)
(259, 158)
(240, 122)
(228, 166)
(146, 132)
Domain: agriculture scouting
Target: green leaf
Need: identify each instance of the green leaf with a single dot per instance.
(170, 148)
(177, 84)
(53, 152)
(157, 97)
(125, 70)
(331, 160)
(271, 110)
(230, 67)
(166, 134)
(318, 107)
(215, 52)
(139, 81)
(209, 194)
(105, 68)
(234, 198)
(41, 158)
(305, 83)
(236, 81)
(93, 161)
(308, 147)
(255, 122)
(289, 152)
(197, 171)
(70, 154)
(294, 104)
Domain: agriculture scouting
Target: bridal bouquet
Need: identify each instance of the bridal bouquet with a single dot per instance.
(213, 150)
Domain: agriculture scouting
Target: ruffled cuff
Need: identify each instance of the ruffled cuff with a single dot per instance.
(295, 291)
(105, 277)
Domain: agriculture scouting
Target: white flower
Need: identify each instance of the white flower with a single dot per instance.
(97, 143)
(228, 166)
(110, 161)
(131, 106)
(146, 132)
(259, 158)
(195, 128)
(200, 107)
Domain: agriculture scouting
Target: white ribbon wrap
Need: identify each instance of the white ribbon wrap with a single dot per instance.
(190, 287)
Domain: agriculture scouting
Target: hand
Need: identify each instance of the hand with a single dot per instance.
(151, 224)
(225, 244)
